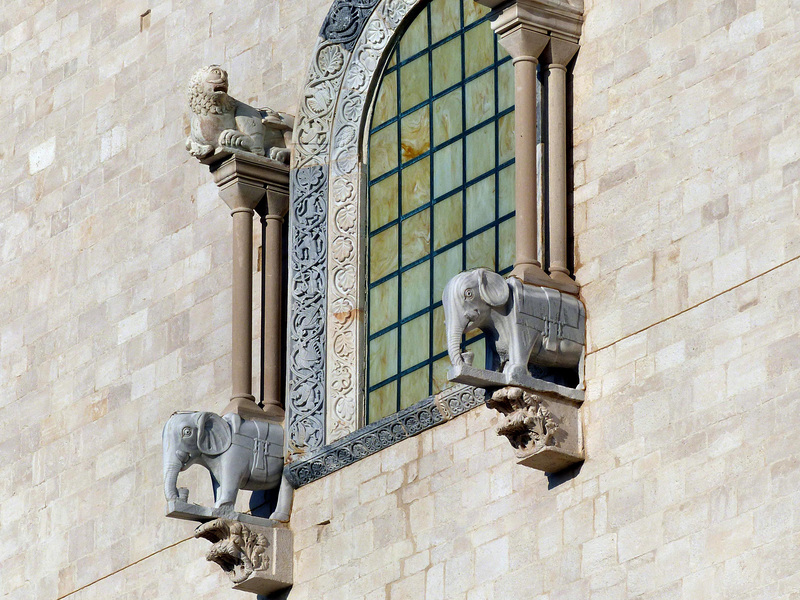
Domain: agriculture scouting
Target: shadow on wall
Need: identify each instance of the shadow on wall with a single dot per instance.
(556, 479)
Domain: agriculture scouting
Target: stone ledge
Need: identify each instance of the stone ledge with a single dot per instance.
(482, 378)
(186, 511)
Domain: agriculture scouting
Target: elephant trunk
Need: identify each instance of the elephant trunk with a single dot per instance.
(171, 471)
(455, 329)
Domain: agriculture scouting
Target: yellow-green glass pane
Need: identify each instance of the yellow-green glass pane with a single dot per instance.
(447, 117)
(447, 165)
(413, 387)
(445, 19)
(505, 137)
(416, 237)
(478, 349)
(383, 253)
(415, 285)
(383, 402)
(415, 39)
(480, 251)
(386, 104)
(414, 338)
(392, 61)
(439, 331)
(473, 11)
(383, 305)
(478, 48)
(480, 204)
(440, 368)
(506, 201)
(507, 233)
(415, 134)
(505, 85)
(447, 65)
(383, 357)
(383, 151)
(480, 151)
(447, 221)
(416, 185)
(383, 202)
(445, 266)
(480, 99)
(414, 82)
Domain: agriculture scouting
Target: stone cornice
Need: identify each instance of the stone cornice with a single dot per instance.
(555, 18)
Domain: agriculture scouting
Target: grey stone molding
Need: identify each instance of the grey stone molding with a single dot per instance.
(326, 325)
(379, 435)
(256, 558)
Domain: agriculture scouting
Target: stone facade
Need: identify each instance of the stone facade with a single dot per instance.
(115, 257)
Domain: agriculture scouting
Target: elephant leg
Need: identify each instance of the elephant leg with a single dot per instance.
(284, 505)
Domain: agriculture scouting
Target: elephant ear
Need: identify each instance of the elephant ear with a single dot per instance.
(213, 434)
(493, 288)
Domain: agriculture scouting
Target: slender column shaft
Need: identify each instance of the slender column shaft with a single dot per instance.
(271, 261)
(242, 321)
(525, 126)
(557, 173)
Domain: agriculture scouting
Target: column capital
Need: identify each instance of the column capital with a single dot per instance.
(558, 19)
(244, 179)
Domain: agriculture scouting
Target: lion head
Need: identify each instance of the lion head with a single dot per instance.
(208, 91)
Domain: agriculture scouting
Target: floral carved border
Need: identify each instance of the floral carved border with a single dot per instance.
(326, 321)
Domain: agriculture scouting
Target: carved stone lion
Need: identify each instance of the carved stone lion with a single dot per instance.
(221, 121)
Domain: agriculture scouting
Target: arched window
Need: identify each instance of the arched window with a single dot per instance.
(441, 193)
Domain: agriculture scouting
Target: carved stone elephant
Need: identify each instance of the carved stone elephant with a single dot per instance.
(240, 454)
(526, 323)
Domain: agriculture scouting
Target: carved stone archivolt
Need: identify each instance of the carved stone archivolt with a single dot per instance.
(326, 325)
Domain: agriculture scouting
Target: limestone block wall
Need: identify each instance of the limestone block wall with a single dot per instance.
(114, 258)
(115, 263)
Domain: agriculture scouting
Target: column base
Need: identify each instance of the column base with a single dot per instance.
(565, 283)
(248, 409)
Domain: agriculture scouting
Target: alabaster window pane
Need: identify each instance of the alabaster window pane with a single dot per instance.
(383, 402)
(415, 134)
(447, 65)
(505, 85)
(415, 39)
(383, 151)
(447, 221)
(383, 202)
(473, 11)
(480, 151)
(383, 305)
(505, 231)
(480, 251)
(413, 387)
(440, 368)
(505, 137)
(383, 357)
(383, 253)
(386, 104)
(506, 200)
(447, 117)
(480, 204)
(415, 285)
(445, 266)
(393, 60)
(445, 19)
(447, 165)
(416, 185)
(439, 331)
(413, 82)
(480, 99)
(416, 237)
(415, 337)
(478, 48)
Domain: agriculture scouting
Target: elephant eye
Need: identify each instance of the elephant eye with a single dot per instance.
(468, 293)
(186, 432)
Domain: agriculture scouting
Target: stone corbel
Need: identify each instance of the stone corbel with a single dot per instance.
(256, 558)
